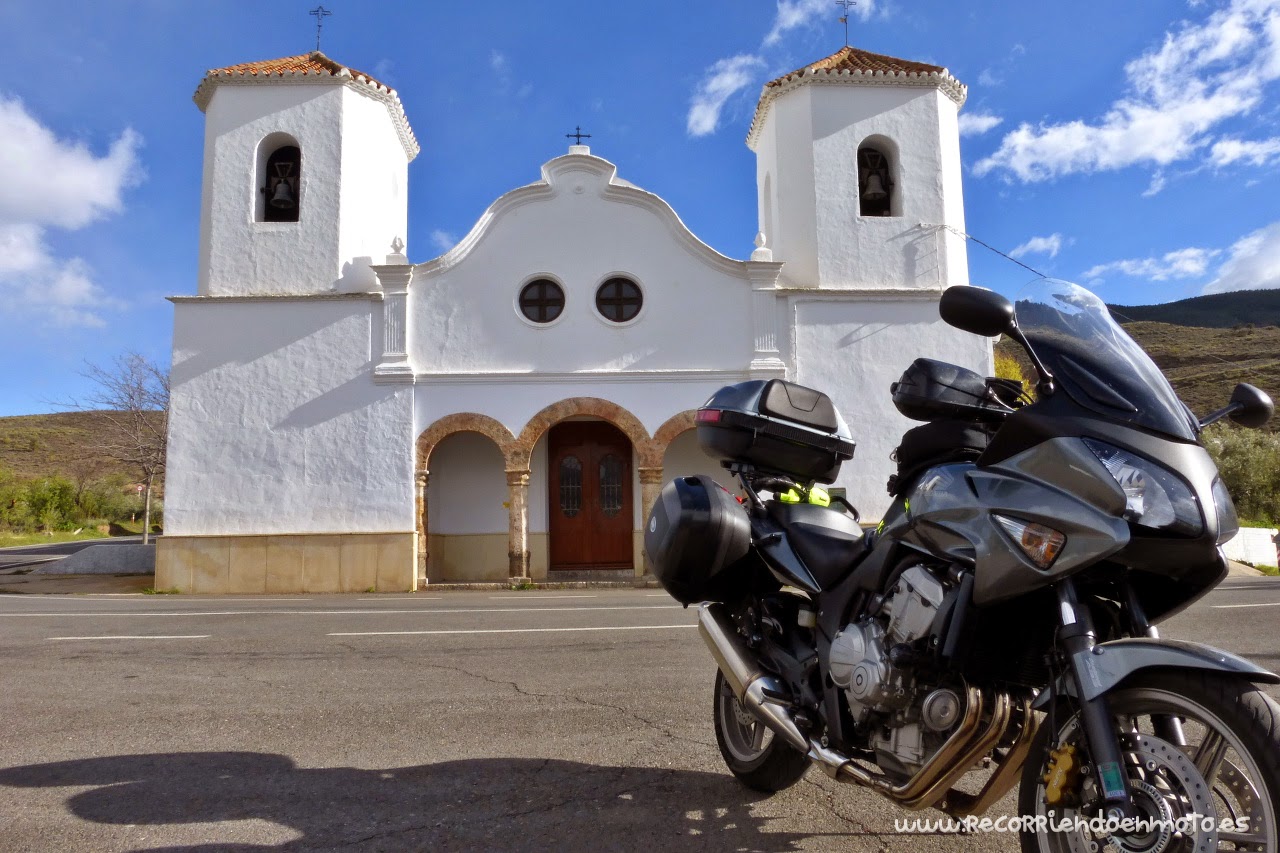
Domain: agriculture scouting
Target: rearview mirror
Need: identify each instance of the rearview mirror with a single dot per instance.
(1255, 406)
(976, 310)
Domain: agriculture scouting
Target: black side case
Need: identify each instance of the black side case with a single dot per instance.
(929, 390)
(696, 531)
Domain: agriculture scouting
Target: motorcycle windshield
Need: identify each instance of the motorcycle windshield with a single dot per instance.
(1095, 361)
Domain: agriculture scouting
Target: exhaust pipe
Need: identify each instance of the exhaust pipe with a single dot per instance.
(752, 687)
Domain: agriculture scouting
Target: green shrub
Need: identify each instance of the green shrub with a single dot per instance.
(1249, 461)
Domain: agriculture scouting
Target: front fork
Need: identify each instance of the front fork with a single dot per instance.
(1077, 638)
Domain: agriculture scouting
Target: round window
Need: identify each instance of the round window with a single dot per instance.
(619, 300)
(542, 300)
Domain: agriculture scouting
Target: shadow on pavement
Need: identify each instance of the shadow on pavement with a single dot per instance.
(481, 804)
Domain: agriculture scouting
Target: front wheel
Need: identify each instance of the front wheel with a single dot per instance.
(1218, 791)
(760, 760)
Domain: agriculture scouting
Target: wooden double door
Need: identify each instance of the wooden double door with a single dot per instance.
(589, 496)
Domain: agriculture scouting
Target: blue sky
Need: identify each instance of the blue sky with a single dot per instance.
(1134, 147)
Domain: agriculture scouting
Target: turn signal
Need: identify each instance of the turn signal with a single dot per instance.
(1041, 544)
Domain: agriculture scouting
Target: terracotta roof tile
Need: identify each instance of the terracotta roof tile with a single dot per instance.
(852, 59)
(309, 68)
(305, 63)
(851, 66)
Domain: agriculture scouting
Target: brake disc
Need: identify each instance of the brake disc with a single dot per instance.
(1166, 787)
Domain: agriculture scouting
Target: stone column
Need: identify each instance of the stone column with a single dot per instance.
(650, 486)
(763, 272)
(421, 481)
(394, 277)
(518, 529)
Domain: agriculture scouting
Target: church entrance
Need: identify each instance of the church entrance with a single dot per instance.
(589, 496)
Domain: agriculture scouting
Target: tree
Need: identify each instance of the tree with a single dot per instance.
(134, 394)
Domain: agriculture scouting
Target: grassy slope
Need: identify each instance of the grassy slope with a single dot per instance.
(40, 445)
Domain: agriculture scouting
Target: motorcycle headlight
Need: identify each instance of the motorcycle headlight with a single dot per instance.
(1228, 523)
(1153, 497)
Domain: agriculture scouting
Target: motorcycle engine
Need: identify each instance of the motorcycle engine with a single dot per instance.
(871, 660)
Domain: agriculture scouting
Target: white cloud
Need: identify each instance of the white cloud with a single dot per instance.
(1253, 263)
(443, 240)
(1157, 184)
(384, 71)
(499, 63)
(47, 182)
(1202, 75)
(1182, 263)
(976, 124)
(1255, 152)
(727, 77)
(1050, 246)
(801, 13)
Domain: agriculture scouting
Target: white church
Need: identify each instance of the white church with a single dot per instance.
(345, 419)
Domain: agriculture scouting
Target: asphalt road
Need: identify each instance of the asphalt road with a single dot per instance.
(559, 721)
(26, 556)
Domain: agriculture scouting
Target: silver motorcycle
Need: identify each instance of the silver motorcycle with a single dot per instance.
(1002, 615)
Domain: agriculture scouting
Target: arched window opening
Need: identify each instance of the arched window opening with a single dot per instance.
(875, 183)
(281, 185)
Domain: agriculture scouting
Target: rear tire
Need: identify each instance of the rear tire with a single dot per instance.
(760, 760)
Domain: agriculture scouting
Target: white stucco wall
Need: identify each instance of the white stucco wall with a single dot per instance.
(275, 424)
(579, 229)
(684, 458)
(374, 190)
(807, 150)
(1252, 545)
(468, 489)
(352, 198)
(853, 353)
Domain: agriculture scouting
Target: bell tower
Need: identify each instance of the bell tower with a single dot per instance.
(305, 177)
(858, 174)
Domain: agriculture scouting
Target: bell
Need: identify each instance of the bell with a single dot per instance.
(283, 196)
(875, 189)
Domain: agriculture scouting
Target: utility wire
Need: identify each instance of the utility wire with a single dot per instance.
(960, 233)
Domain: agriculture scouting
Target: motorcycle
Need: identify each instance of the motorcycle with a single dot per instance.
(1003, 613)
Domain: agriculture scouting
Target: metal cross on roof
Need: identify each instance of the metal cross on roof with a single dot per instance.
(320, 13)
(578, 135)
(847, 4)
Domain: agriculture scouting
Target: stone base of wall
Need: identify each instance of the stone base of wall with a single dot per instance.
(468, 558)
(482, 557)
(345, 562)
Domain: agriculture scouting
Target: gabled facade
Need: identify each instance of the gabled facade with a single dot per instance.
(344, 419)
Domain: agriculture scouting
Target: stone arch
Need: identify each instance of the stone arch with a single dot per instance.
(674, 426)
(464, 422)
(522, 449)
(427, 441)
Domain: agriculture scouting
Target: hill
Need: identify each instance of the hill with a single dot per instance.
(1202, 363)
(1217, 311)
(62, 443)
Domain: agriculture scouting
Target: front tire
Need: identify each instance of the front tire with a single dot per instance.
(1230, 767)
(760, 760)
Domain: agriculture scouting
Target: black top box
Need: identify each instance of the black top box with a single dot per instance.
(777, 426)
